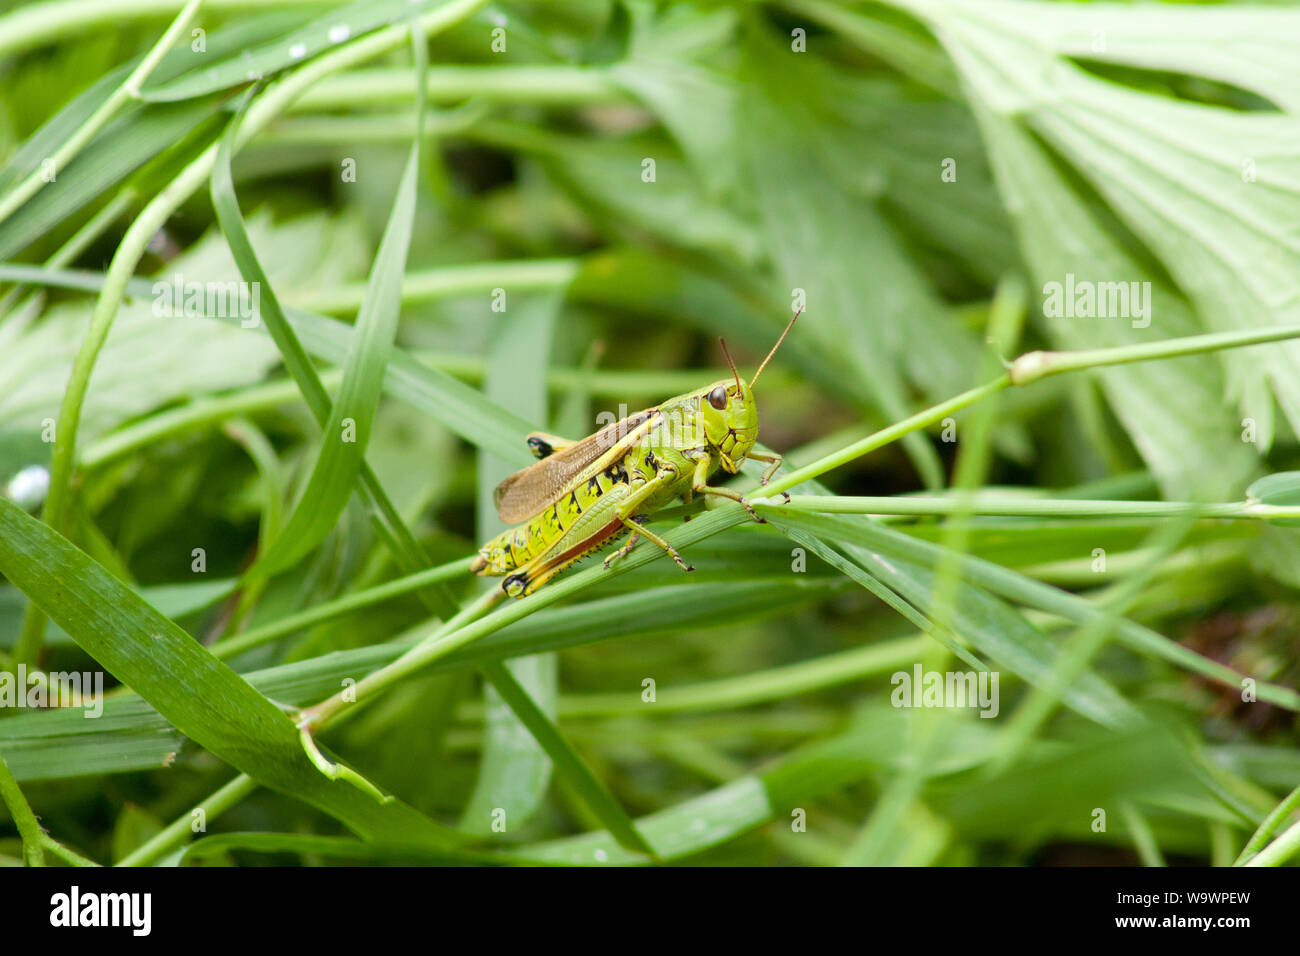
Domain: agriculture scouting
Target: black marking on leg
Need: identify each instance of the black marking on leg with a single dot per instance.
(540, 447)
(678, 559)
(515, 584)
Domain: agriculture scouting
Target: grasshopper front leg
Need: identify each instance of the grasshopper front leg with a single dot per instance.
(636, 523)
(775, 461)
(700, 485)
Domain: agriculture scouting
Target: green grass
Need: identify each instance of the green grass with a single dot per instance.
(262, 534)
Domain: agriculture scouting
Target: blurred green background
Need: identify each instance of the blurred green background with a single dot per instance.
(633, 180)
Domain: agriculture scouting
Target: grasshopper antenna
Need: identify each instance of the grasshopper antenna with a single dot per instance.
(723, 343)
(774, 348)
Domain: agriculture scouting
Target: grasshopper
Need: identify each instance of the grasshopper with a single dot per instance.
(583, 495)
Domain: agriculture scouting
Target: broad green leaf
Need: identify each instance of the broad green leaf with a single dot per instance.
(1194, 444)
(1213, 193)
(1061, 235)
(1253, 46)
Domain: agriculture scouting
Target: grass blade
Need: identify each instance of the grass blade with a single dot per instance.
(343, 445)
(287, 50)
(195, 692)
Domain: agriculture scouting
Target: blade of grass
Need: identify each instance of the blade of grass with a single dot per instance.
(81, 137)
(1144, 839)
(347, 432)
(950, 599)
(196, 693)
(293, 48)
(387, 521)
(20, 811)
(130, 735)
(586, 785)
(182, 828)
(1280, 850)
(1268, 827)
(129, 142)
(1078, 652)
(141, 232)
(1023, 590)
(332, 847)
(746, 690)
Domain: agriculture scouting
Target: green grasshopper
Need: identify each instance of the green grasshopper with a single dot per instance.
(583, 495)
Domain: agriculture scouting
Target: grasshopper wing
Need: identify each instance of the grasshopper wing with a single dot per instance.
(527, 492)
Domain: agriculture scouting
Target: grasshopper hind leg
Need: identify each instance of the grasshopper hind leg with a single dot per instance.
(532, 575)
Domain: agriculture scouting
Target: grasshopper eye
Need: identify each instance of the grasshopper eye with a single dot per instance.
(718, 398)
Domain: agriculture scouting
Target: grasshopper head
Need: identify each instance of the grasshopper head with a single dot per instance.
(730, 422)
(729, 413)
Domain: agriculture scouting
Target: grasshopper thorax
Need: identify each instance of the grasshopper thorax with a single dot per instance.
(730, 420)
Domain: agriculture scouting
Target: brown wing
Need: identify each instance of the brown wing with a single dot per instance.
(526, 492)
